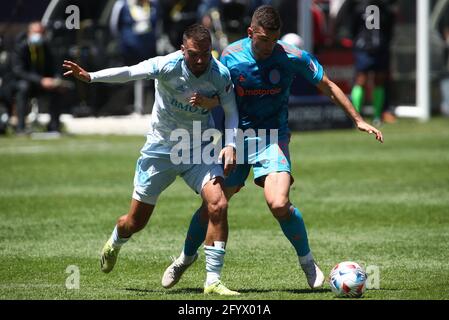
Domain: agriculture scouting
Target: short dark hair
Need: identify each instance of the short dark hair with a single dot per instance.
(197, 32)
(267, 17)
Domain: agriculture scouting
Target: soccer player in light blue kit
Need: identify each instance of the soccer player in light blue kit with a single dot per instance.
(262, 69)
(178, 78)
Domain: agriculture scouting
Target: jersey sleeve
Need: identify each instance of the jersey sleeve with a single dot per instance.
(228, 103)
(307, 65)
(223, 60)
(153, 68)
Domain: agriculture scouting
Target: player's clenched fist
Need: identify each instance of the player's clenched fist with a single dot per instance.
(228, 157)
(198, 100)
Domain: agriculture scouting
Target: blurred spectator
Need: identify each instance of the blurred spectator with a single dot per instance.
(177, 15)
(6, 87)
(289, 14)
(33, 67)
(227, 19)
(319, 26)
(335, 21)
(233, 10)
(444, 30)
(372, 55)
(134, 22)
(210, 14)
(334, 8)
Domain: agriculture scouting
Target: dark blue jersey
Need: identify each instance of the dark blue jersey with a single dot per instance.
(262, 88)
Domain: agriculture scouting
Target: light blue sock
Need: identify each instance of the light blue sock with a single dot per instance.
(196, 234)
(214, 263)
(295, 231)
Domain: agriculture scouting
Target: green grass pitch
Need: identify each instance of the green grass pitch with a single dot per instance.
(385, 206)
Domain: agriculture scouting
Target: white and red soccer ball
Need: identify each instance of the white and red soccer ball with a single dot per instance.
(348, 279)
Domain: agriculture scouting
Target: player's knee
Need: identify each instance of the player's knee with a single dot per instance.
(217, 210)
(279, 207)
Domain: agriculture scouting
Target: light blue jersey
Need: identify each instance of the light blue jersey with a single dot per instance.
(174, 85)
(263, 87)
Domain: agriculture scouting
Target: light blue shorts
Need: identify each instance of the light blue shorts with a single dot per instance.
(154, 174)
(274, 157)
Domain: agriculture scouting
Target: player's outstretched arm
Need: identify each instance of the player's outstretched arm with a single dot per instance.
(338, 97)
(143, 70)
(76, 71)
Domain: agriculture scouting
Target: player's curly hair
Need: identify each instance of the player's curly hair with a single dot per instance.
(267, 17)
(197, 32)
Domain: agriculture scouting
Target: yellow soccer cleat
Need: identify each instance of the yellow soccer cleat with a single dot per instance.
(220, 289)
(108, 257)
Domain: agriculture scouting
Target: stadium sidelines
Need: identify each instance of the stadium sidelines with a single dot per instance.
(133, 124)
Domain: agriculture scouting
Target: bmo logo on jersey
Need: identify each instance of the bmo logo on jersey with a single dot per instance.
(187, 107)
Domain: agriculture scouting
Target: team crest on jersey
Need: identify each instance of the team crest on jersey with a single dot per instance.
(274, 76)
(312, 66)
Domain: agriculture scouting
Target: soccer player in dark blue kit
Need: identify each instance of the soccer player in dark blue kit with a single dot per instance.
(262, 69)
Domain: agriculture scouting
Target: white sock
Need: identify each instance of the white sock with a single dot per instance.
(212, 277)
(186, 259)
(214, 263)
(117, 242)
(306, 259)
(220, 244)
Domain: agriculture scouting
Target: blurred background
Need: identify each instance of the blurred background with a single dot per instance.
(68, 150)
(112, 33)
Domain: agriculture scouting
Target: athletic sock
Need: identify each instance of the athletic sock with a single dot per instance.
(357, 96)
(195, 235)
(117, 242)
(295, 231)
(214, 263)
(378, 101)
(186, 259)
(305, 259)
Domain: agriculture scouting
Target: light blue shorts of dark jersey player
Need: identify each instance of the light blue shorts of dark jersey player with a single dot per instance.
(263, 158)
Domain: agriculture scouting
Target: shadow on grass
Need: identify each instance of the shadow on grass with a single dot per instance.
(301, 291)
(294, 291)
(391, 289)
(171, 291)
(200, 291)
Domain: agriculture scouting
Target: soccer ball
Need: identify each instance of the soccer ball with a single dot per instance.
(348, 279)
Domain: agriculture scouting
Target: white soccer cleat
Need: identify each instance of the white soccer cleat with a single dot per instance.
(315, 277)
(174, 272)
